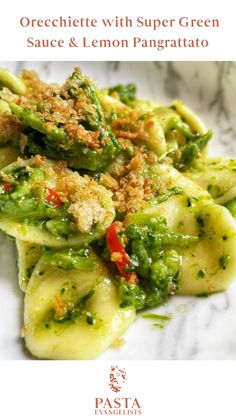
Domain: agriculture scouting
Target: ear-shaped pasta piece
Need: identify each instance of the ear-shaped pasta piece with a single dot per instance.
(159, 138)
(73, 314)
(28, 256)
(44, 203)
(190, 117)
(8, 155)
(14, 83)
(168, 177)
(217, 175)
(70, 126)
(210, 264)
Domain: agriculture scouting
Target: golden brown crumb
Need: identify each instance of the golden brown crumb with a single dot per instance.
(29, 169)
(109, 182)
(86, 213)
(60, 167)
(178, 154)
(132, 189)
(133, 278)
(90, 138)
(85, 196)
(128, 133)
(37, 87)
(60, 308)
(116, 257)
(151, 158)
(131, 126)
(7, 95)
(118, 169)
(39, 160)
(6, 177)
(133, 193)
(124, 143)
(136, 163)
(10, 128)
(56, 106)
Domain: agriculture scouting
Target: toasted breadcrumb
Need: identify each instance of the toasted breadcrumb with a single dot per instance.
(116, 257)
(109, 182)
(87, 213)
(133, 194)
(39, 160)
(7, 95)
(127, 182)
(131, 188)
(10, 128)
(59, 307)
(133, 278)
(130, 127)
(37, 87)
(86, 198)
(57, 107)
(88, 202)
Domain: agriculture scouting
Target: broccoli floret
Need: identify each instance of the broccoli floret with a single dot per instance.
(80, 87)
(156, 265)
(70, 259)
(164, 271)
(78, 134)
(132, 295)
(185, 156)
(154, 290)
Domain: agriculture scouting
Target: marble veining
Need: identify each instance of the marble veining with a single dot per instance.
(200, 328)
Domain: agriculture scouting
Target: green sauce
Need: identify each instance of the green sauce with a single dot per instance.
(70, 259)
(223, 261)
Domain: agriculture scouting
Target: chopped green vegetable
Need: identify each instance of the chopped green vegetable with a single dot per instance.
(126, 93)
(162, 198)
(201, 273)
(157, 266)
(185, 156)
(70, 259)
(223, 261)
(72, 314)
(232, 207)
(154, 290)
(80, 87)
(55, 143)
(204, 295)
(159, 325)
(154, 316)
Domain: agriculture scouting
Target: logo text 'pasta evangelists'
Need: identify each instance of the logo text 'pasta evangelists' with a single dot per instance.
(108, 406)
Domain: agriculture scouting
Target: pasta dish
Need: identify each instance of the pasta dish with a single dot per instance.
(114, 206)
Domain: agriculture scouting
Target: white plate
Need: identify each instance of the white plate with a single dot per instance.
(201, 328)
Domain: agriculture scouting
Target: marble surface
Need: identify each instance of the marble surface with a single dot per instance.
(200, 328)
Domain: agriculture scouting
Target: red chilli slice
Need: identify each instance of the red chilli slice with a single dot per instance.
(7, 187)
(53, 198)
(115, 246)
